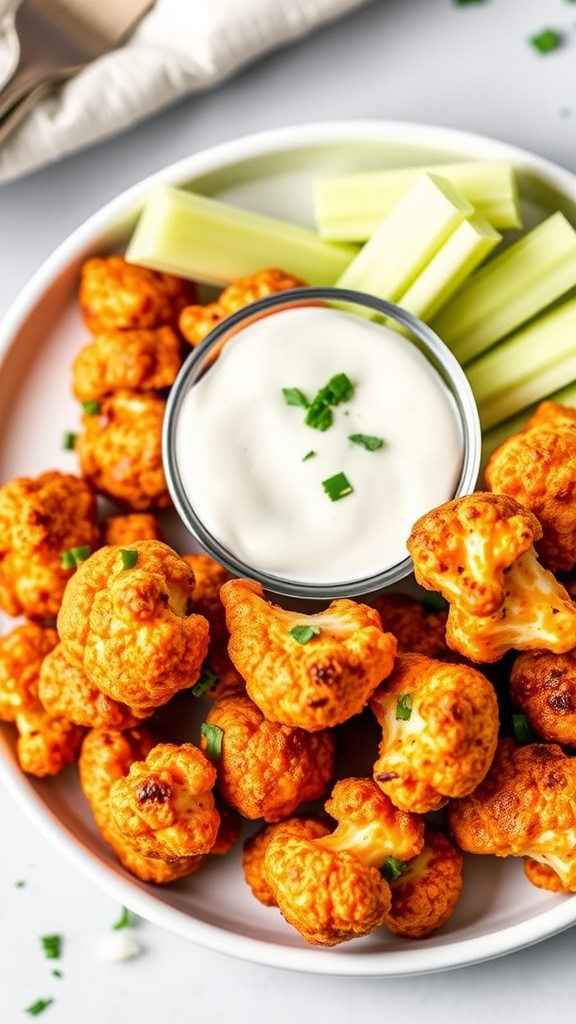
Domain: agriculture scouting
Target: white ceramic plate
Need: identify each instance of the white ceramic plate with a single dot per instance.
(499, 911)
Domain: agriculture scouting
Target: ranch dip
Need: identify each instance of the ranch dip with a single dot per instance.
(308, 504)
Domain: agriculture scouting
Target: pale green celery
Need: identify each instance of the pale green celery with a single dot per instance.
(493, 438)
(529, 366)
(510, 289)
(460, 255)
(349, 207)
(406, 241)
(206, 240)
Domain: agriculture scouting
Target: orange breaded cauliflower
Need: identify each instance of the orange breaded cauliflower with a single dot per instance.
(266, 770)
(123, 530)
(46, 743)
(316, 684)
(115, 294)
(41, 518)
(256, 845)
(439, 731)
(120, 450)
(478, 552)
(105, 758)
(416, 628)
(65, 691)
(425, 894)
(131, 628)
(330, 888)
(543, 687)
(538, 467)
(525, 807)
(196, 322)
(165, 804)
(116, 360)
(210, 577)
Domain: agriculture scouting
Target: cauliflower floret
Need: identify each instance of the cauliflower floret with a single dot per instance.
(266, 770)
(525, 807)
(115, 360)
(425, 894)
(478, 552)
(330, 889)
(197, 321)
(131, 629)
(65, 691)
(416, 628)
(123, 530)
(542, 876)
(120, 450)
(256, 845)
(210, 577)
(41, 518)
(543, 687)
(46, 744)
(165, 804)
(315, 684)
(116, 294)
(538, 468)
(439, 731)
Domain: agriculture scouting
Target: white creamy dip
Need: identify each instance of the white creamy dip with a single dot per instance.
(240, 448)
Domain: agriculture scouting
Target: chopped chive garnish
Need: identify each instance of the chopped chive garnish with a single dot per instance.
(207, 680)
(293, 396)
(522, 730)
(546, 41)
(123, 921)
(367, 441)
(91, 407)
(338, 389)
(302, 634)
(37, 1007)
(20, 884)
(434, 602)
(52, 945)
(69, 441)
(319, 415)
(309, 455)
(392, 868)
(72, 558)
(56, 973)
(213, 735)
(337, 486)
(129, 558)
(403, 707)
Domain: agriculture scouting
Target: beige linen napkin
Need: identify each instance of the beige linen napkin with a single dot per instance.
(180, 46)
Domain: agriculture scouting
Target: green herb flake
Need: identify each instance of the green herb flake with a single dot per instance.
(91, 407)
(20, 884)
(319, 415)
(293, 396)
(123, 921)
(56, 973)
(367, 441)
(338, 389)
(404, 707)
(129, 558)
(72, 558)
(207, 681)
(547, 40)
(302, 634)
(392, 868)
(69, 441)
(309, 455)
(38, 1007)
(337, 486)
(522, 730)
(433, 602)
(213, 735)
(52, 946)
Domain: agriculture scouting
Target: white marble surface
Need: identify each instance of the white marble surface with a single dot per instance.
(431, 61)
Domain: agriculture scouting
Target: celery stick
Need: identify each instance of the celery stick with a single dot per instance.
(527, 367)
(462, 253)
(349, 207)
(407, 239)
(510, 289)
(206, 240)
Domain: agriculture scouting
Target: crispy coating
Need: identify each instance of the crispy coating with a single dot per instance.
(196, 322)
(210, 577)
(425, 895)
(40, 518)
(446, 744)
(116, 360)
(525, 807)
(416, 628)
(165, 804)
(538, 468)
(132, 630)
(266, 770)
(22, 652)
(542, 876)
(120, 450)
(115, 294)
(256, 845)
(46, 743)
(123, 530)
(478, 552)
(64, 690)
(543, 687)
(314, 685)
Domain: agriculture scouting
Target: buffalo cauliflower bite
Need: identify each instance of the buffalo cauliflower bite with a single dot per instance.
(478, 552)
(266, 770)
(538, 467)
(123, 530)
(120, 450)
(417, 629)
(543, 687)
(165, 804)
(210, 577)
(196, 322)
(315, 684)
(256, 845)
(115, 360)
(331, 888)
(439, 731)
(425, 894)
(64, 690)
(41, 518)
(525, 807)
(131, 628)
(115, 294)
